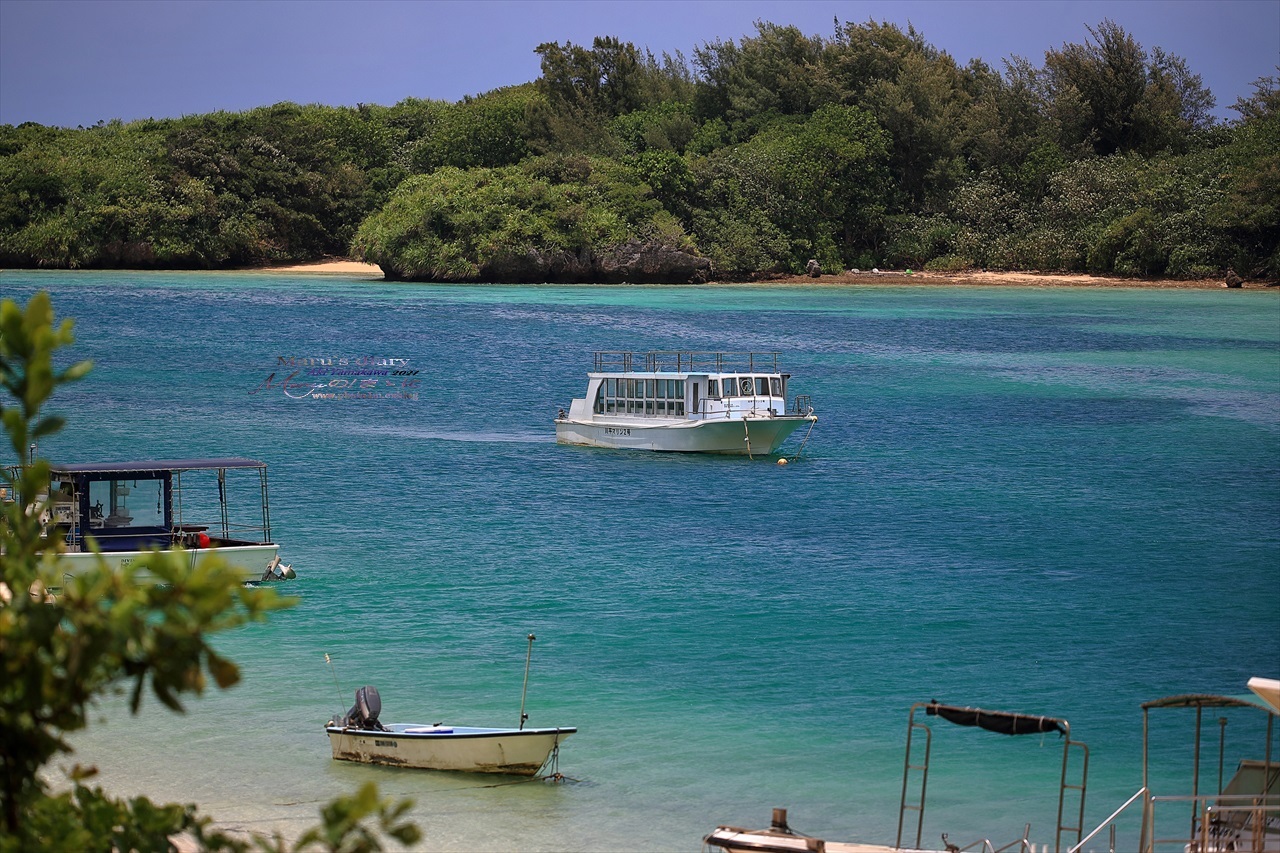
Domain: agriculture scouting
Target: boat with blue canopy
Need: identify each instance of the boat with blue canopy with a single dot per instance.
(116, 512)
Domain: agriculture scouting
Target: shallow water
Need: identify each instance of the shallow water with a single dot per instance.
(1059, 502)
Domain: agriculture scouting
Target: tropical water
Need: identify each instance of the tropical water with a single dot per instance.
(1053, 501)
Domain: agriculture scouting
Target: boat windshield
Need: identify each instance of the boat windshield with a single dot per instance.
(126, 503)
(748, 386)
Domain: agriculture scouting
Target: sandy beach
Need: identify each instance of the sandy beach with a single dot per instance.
(346, 266)
(328, 266)
(990, 278)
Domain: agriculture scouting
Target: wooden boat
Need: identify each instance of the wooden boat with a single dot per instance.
(360, 737)
(694, 402)
(780, 838)
(1204, 814)
(115, 512)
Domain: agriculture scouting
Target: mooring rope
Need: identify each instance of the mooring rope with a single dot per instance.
(805, 441)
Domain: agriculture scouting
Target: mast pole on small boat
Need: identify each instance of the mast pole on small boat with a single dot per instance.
(329, 661)
(525, 690)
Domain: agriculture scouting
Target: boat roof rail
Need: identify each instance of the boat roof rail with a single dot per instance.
(1208, 700)
(681, 361)
(139, 467)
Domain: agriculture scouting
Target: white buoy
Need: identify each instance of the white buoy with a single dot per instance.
(782, 460)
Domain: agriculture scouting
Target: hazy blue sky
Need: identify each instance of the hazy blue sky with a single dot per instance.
(75, 62)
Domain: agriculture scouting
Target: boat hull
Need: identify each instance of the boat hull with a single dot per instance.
(519, 752)
(728, 436)
(730, 839)
(250, 560)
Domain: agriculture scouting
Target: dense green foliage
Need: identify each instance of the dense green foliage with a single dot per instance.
(465, 225)
(868, 147)
(103, 633)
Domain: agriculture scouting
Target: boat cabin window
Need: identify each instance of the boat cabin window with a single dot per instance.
(747, 386)
(656, 397)
(713, 388)
(126, 503)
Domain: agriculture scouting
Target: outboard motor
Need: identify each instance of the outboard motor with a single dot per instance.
(364, 714)
(278, 571)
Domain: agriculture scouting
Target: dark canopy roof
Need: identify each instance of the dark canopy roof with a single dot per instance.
(158, 465)
(1002, 722)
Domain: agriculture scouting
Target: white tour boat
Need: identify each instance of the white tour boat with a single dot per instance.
(360, 737)
(698, 402)
(127, 509)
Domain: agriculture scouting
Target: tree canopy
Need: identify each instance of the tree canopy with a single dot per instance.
(868, 146)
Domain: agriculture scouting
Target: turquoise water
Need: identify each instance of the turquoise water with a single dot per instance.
(1055, 501)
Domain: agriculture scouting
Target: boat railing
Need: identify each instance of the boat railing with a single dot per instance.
(984, 845)
(1110, 823)
(1244, 823)
(802, 405)
(152, 536)
(684, 361)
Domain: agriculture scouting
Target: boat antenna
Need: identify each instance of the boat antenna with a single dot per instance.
(524, 692)
(329, 661)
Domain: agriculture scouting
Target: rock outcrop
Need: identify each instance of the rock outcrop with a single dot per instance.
(652, 263)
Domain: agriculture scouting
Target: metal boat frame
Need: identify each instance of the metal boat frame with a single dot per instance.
(1003, 722)
(1218, 820)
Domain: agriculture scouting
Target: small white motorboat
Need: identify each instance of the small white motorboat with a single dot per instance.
(693, 402)
(360, 737)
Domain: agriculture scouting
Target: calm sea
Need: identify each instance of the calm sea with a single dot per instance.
(1054, 501)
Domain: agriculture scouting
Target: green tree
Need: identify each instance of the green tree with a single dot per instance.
(487, 131)
(1250, 213)
(542, 221)
(103, 633)
(1134, 102)
(815, 187)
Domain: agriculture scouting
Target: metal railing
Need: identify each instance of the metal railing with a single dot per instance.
(984, 845)
(684, 361)
(1109, 822)
(1241, 823)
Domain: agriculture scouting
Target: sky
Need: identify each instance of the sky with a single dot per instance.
(77, 62)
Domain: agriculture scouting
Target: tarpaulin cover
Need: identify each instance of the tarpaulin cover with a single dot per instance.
(1002, 722)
